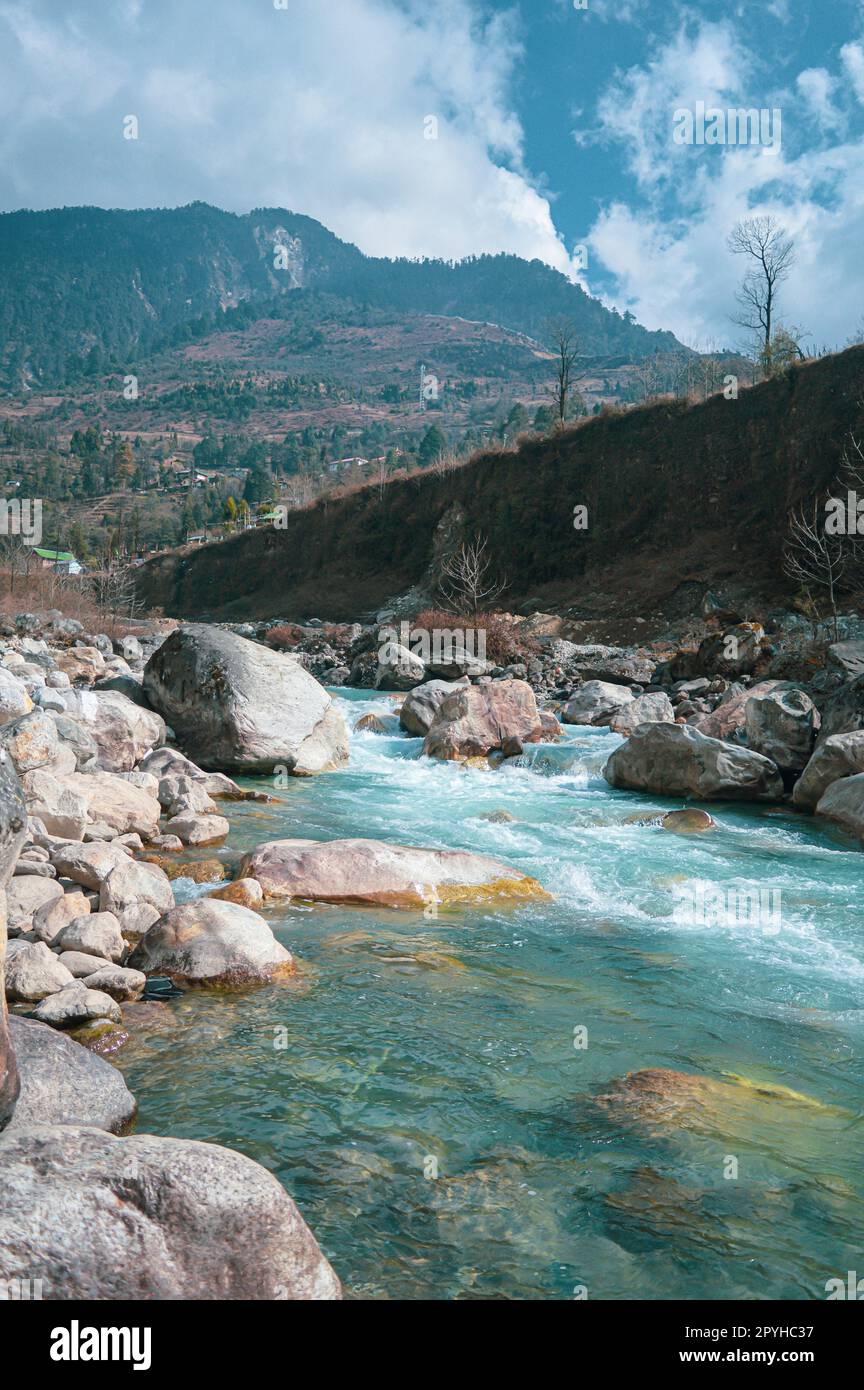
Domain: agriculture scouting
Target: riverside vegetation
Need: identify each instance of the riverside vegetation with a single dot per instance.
(431, 944)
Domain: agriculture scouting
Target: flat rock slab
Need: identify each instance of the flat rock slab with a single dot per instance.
(369, 871)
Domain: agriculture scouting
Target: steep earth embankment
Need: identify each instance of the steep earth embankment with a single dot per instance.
(677, 497)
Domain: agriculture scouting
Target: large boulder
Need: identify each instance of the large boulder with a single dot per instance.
(88, 864)
(116, 803)
(62, 810)
(653, 708)
(398, 668)
(25, 895)
(476, 719)
(31, 741)
(237, 705)
(421, 705)
(677, 760)
(33, 972)
(840, 755)
(843, 803)
(595, 702)
(617, 665)
(97, 1218)
(76, 1004)
(14, 700)
(728, 720)
(122, 730)
(782, 726)
(213, 943)
(846, 659)
(844, 712)
(63, 1083)
(132, 883)
(369, 871)
(732, 653)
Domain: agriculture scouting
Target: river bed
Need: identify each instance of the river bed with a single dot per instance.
(426, 1087)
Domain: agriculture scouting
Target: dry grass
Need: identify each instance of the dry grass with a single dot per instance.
(72, 595)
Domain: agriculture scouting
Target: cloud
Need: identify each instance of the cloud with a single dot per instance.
(663, 250)
(319, 108)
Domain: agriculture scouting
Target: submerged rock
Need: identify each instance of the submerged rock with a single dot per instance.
(677, 760)
(662, 1099)
(208, 942)
(101, 1218)
(369, 871)
(688, 820)
(239, 706)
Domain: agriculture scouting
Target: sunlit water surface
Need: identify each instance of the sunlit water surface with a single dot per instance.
(406, 1046)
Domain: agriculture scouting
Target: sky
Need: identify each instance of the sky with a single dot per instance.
(453, 127)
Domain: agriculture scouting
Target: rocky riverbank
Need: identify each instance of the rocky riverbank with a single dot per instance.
(114, 768)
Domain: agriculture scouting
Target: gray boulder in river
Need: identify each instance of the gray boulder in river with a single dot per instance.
(96, 1217)
(235, 705)
(676, 760)
(63, 1083)
(13, 825)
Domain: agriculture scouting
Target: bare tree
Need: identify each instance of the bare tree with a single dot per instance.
(566, 344)
(814, 559)
(17, 557)
(115, 594)
(466, 580)
(764, 240)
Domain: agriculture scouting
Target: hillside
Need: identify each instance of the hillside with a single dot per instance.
(678, 496)
(86, 290)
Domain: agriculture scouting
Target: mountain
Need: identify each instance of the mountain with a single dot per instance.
(85, 290)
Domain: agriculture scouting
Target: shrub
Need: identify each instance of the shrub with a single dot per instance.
(505, 643)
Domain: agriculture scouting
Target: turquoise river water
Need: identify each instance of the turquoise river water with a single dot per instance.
(425, 1092)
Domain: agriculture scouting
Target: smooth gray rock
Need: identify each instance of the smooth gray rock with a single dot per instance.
(238, 706)
(80, 964)
(840, 755)
(96, 935)
(211, 942)
(63, 1083)
(101, 1218)
(33, 972)
(844, 712)
(782, 725)
(121, 983)
(124, 732)
(76, 1004)
(677, 760)
(421, 705)
(595, 702)
(843, 803)
(654, 708)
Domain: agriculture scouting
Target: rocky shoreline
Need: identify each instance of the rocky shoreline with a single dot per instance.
(115, 758)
